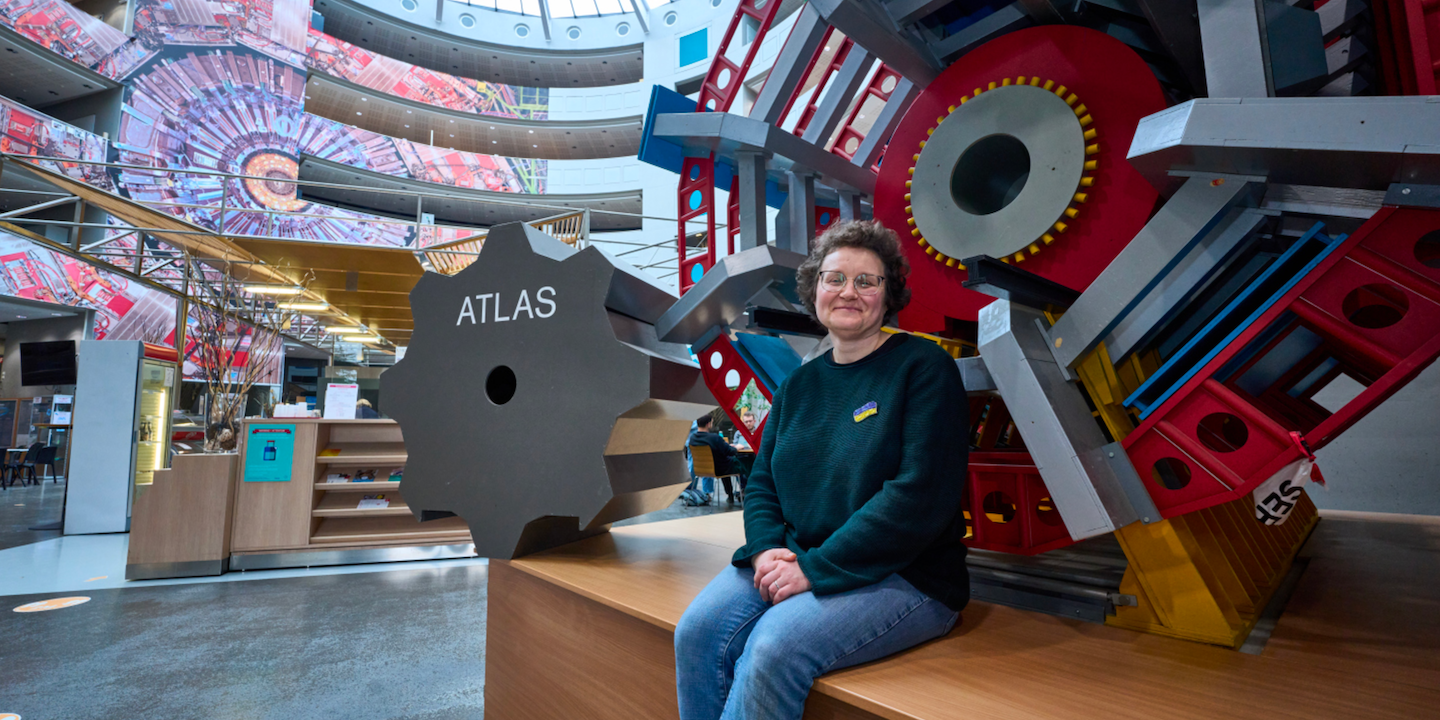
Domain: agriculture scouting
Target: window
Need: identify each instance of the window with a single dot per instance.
(694, 47)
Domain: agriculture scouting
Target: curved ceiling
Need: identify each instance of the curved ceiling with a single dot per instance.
(458, 206)
(422, 123)
(386, 35)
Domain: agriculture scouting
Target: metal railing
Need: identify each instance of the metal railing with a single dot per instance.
(451, 257)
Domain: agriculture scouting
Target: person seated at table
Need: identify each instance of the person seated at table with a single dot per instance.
(853, 522)
(724, 453)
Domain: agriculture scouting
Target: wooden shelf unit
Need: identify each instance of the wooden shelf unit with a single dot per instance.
(307, 512)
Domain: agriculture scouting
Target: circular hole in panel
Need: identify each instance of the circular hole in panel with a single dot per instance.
(1046, 511)
(694, 172)
(697, 271)
(467, 20)
(1170, 473)
(998, 507)
(409, 5)
(695, 198)
(851, 145)
(1222, 432)
(824, 218)
(710, 105)
(522, 30)
(500, 385)
(1427, 249)
(990, 174)
(1375, 306)
(889, 83)
(573, 33)
(732, 377)
(723, 79)
(622, 29)
(716, 361)
(670, 18)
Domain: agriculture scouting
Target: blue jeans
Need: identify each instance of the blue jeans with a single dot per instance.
(738, 657)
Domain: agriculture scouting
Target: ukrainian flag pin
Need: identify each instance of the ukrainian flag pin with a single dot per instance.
(865, 411)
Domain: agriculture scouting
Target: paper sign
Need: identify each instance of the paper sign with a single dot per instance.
(373, 502)
(64, 399)
(269, 453)
(60, 417)
(340, 401)
(169, 376)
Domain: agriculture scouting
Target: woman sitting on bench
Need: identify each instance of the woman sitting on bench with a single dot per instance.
(853, 523)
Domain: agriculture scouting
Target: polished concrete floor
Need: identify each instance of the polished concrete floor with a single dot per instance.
(398, 640)
(22, 508)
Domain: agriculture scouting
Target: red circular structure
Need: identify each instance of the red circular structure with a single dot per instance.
(1118, 88)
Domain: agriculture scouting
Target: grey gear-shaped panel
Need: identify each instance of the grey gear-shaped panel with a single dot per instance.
(535, 405)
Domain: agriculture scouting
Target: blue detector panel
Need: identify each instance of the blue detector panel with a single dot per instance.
(1238, 315)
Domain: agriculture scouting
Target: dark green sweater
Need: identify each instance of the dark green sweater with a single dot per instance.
(859, 495)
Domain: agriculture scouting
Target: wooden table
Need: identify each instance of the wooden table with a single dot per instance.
(586, 630)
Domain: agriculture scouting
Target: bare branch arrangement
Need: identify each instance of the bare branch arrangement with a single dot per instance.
(236, 343)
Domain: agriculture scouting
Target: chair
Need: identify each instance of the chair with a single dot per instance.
(25, 465)
(46, 458)
(705, 467)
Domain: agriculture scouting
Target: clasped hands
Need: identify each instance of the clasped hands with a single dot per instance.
(778, 575)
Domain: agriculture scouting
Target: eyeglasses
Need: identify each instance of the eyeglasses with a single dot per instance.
(865, 284)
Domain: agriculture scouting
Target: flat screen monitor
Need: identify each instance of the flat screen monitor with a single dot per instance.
(47, 363)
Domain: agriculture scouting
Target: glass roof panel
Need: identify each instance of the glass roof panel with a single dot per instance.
(565, 8)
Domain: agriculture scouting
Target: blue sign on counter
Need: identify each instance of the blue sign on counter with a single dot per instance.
(269, 453)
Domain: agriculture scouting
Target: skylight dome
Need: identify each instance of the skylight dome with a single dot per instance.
(565, 8)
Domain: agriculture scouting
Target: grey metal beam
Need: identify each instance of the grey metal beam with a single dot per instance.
(850, 208)
(751, 168)
(439, 11)
(1007, 19)
(642, 14)
(725, 133)
(831, 109)
(1232, 34)
(867, 23)
(875, 140)
(544, 18)
(802, 213)
(1190, 275)
(909, 12)
(790, 66)
(1055, 422)
(1365, 143)
(1184, 221)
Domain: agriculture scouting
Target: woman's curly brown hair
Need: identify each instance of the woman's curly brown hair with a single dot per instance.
(866, 235)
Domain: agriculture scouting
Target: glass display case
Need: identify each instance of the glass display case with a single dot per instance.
(152, 421)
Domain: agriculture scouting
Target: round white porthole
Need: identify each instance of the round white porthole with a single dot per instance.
(409, 5)
(716, 3)
(522, 30)
(670, 18)
(467, 21)
(573, 33)
(622, 29)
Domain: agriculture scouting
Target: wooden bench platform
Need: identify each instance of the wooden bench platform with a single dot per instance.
(585, 631)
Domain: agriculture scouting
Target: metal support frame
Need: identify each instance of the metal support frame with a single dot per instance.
(1186, 220)
(868, 19)
(850, 207)
(1084, 477)
(1004, 20)
(791, 66)
(544, 18)
(749, 198)
(695, 202)
(440, 10)
(725, 77)
(641, 9)
(1232, 34)
(802, 212)
(831, 108)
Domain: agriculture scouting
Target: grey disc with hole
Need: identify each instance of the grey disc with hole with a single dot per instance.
(998, 172)
(537, 402)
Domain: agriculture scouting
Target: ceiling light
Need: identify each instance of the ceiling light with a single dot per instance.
(23, 317)
(304, 306)
(345, 330)
(272, 290)
(363, 338)
(58, 314)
